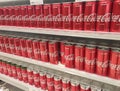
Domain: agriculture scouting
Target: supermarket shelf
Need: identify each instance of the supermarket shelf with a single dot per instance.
(64, 69)
(71, 33)
(19, 84)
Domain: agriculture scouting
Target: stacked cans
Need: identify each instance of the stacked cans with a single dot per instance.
(87, 16)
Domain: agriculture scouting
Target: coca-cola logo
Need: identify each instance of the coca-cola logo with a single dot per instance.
(24, 49)
(29, 50)
(39, 18)
(113, 66)
(18, 18)
(50, 83)
(25, 18)
(6, 17)
(36, 79)
(32, 18)
(7, 45)
(58, 86)
(79, 59)
(18, 48)
(78, 18)
(36, 51)
(102, 64)
(30, 77)
(69, 57)
(62, 53)
(90, 62)
(12, 17)
(66, 89)
(53, 54)
(57, 17)
(48, 18)
(24, 75)
(90, 18)
(1, 17)
(12, 46)
(115, 18)
(104, 18)
(45, 52)
(43, 81)
(118, 68)
(67, 18)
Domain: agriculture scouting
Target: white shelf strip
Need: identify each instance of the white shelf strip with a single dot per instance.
(71, 33)
(19, 84)
(64, 69)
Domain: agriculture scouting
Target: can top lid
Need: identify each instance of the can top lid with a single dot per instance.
(49, 75)
(116, 49)
(103, 47)
(57, 77)
(65, 80)
(74, 83)
(44, 40)
(80, 44)
(42, 73)
(91, 46)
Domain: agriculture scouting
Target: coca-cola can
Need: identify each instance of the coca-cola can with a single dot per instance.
(58, 83)
(36, 49)
(44, 51)
(104, 15)
(1, 16)
(78, 15)
(47, 9)
(75, 86)
(24, 74)
(85, 87)
(2, 45)
(57, 15)
(23, 47)
(114, 69)
(14, 71)
(1, 68)
(79, 56)
(39, 15)
(102, 60)
(29, 45)
(67, 15)
(62, 52)
(12, 45)
(65, 84)
(11, 19)
(53, 52)
(90, 16)
(90, 58)
(69, 55)
(8, 65)
(50, 82)
(43, 80)
(4, 65)
(17, 46)
(19, 71)
(7, 16)
(115, 22)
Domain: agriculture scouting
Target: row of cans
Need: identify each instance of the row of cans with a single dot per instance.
(100, 60)
(103, 15)
(45, 80)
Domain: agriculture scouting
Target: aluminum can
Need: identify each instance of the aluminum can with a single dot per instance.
(43, 80)
(69, 55)
(47, 9)
(11, 19)
(1, 68)
(36, 49)
(67, 15)
(62, 52)
(57, 15)
(114, 68)
(103, 16)
(65, 84)
(19, 71)
(14, 71)
(78, 15)
(8, 65)
(50, 82)
(24, 74)
(7, 16)
(53, 52)
(115, 22)
(57, 83)
(39, 15)
(102, 60)
(44, 50)
(75, 86)
(12, 45)
(4, 64)
(90, 58)
(79, 56)
(1, 16)
(90, 16)
(2, 46)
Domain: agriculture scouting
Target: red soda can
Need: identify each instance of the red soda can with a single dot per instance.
(90, 16)
(47, 16)
(39, 15)
(44, 50)
(2, 46)
(23, 47)
(30, 75)
(85, 87)
(67, 15)
(53, 52)
(115, 22)
(17, 46)
(24, 74)
(65, 84)
(90, 58)
(114, 63)
(57, 83)
(9, 69)
(1, 16)
(104, 15)
(43, 81)
(1, 68)
(75, 86)
(12, 45)
(19, 72)
(12, 16)
(102, 61)
(29, 48)
(25, 17)
(36, 76)
(36, 49)
(57, 15)
(6, 43)
(79, 56)
(62, 52)
(20, 16)
(7, 16)
(69, 55)
(4, 64)
(14, 71)
(78, 16)
(31, 13)
(50, 82)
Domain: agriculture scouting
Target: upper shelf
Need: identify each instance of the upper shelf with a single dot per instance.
(71, 33)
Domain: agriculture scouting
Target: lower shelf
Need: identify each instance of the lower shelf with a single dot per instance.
(95, 77)
(18, 84)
